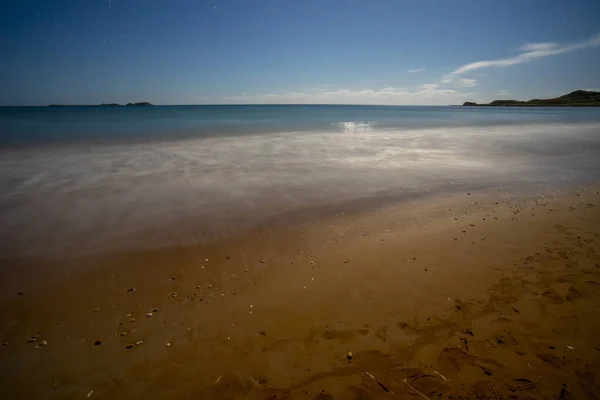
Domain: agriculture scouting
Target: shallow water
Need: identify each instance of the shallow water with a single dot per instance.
(102, 179)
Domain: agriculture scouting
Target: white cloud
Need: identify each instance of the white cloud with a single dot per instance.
(539, 46)
(464, 82)
(428, 86)
(427, 94)
(502, 93)
(531, 51)
(412, 71)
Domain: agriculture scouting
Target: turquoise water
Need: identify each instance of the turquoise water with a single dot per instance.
(91, 179)
(35, 125)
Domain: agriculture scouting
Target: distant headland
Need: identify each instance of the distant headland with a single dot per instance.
(578, 98)
(140, 104)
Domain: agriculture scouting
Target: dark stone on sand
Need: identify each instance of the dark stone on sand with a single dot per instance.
(20, 294)
(97, 342)
(131, 290)
(129, 346)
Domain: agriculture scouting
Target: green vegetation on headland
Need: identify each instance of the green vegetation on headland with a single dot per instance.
(578, 98)
(140, 104)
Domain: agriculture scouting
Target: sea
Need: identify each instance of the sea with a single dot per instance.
(79, 180)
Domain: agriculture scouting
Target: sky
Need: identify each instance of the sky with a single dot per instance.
(408, 52)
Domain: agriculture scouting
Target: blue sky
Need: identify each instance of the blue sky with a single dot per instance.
(295, 51)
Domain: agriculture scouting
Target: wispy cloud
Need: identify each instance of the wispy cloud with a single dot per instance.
(428, 87)
(412, 71)
(427, 94)
(530, 52)
(502, 93)
(464, 82)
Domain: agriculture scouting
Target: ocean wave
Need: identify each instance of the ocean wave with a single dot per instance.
(51, 197)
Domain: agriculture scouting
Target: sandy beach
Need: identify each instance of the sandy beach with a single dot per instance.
(482, 295)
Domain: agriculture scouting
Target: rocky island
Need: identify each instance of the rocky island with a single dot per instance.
(140, 104)
(578, 98)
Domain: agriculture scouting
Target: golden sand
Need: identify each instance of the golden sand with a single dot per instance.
(483, 296)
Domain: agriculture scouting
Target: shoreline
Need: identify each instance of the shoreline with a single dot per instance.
(301, 218)
(424, 291)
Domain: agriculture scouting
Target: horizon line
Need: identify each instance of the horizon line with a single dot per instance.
(235, 104)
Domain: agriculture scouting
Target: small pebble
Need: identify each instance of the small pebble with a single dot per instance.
(97, 342)
(139, 343)
(168, 344)
(131, 289)
(128, 346)
(155, 310)
(20, 294)
(349, 356)
(43, 343)
(149, 315)
(263, 261)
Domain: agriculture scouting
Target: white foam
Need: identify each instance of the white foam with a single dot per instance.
(53, 197)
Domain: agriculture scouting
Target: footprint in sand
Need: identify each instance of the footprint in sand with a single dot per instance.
(381, 333)
(486, 391)
(574, 294)
(553, 296)
(453, 359)
(429, 385)
(522, 385)
(553, 360)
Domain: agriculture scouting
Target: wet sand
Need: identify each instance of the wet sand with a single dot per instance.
(488, 295)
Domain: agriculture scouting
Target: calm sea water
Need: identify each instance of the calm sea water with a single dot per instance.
(101, 179)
